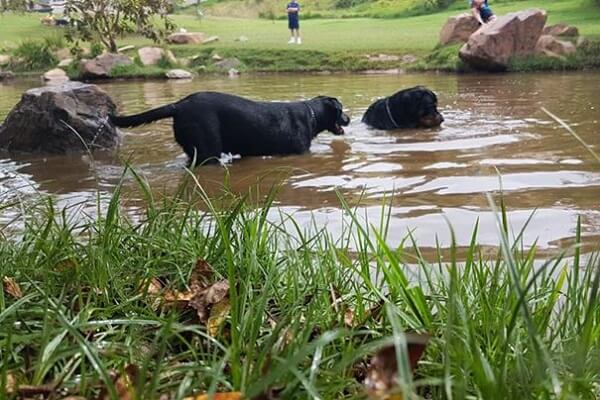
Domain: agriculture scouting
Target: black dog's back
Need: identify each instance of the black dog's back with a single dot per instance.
(207, 124)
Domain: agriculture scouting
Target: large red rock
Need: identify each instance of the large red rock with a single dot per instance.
(515, 34)
(561, 30)
(458, 29)
(186, 38)
(152, 55)
(101, 66)
(550, 46)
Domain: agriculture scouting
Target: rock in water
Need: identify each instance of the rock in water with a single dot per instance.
(515, 34)
(178, 74)
(56, 119)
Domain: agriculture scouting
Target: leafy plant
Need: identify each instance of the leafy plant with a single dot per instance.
(34, 56)
(107, 20)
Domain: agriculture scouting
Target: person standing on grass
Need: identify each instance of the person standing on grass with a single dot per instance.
(482, 11)
(293, 10)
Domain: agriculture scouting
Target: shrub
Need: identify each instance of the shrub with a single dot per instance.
(96, 48)
(34, 56)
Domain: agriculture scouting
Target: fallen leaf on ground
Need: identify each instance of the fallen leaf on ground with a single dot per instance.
(11, 384)
(154, 287)
(211, 301)
(207, 297)
(66, 265)
(124, 384)
(217, 396)
(382, 376)
(173, 296)
(349, 318)
(12, 287)
(218, 315)
(201, 275)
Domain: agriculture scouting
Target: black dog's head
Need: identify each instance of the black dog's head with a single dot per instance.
(417, 106)
(335, 118)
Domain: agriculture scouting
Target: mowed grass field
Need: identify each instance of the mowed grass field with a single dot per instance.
(415, 35)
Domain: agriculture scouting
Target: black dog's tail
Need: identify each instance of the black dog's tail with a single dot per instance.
(145, 117)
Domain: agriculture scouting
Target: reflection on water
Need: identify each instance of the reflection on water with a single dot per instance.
(495, 136)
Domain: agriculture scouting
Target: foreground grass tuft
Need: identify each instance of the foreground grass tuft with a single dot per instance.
(501, 327)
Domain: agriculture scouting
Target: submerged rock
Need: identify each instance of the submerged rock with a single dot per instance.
(6, 75)
(228, 64)
(60, 119)
(178, 74)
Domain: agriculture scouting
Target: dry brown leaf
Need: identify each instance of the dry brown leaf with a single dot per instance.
(217, 396)
(154, 287)
(349, 318)
(66, 265)
(381, 380)
(201, 275)
(174, 296)
(124, 384)
(218, 315)
(11, 384)
(12, 287)
(203, 301)
(217, 292)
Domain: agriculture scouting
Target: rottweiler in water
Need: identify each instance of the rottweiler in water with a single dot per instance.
(207, 124)
(409, 108)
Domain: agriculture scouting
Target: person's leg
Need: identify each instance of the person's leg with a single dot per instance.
(292, 40)
(298, 39)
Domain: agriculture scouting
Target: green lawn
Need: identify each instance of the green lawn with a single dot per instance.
(405, 35)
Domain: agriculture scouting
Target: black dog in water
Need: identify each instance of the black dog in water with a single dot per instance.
(410, 108)
(207, 124)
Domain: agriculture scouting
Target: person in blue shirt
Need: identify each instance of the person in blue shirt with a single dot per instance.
(482, 11)
(293, 10)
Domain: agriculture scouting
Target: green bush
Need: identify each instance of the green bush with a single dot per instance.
(348, 3)
(442, 58)
(34, 56)
(96, 48)
(437, 4)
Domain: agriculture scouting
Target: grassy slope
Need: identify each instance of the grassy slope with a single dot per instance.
(407, 35)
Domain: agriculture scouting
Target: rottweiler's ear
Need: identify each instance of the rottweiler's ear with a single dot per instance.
(336, 103)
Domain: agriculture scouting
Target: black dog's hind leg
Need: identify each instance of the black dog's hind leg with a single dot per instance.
(201, 143)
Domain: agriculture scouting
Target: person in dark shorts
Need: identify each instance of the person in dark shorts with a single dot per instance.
(293, 9)
(482, 11)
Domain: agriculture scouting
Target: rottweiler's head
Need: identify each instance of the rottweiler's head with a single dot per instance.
(335, 118)
(417, 107)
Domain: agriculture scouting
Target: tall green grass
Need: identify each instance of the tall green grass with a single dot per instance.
(507, 326)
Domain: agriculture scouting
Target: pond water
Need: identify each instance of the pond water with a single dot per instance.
(494, 128)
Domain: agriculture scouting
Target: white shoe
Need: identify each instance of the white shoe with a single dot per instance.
(292, 40)
(299, 41)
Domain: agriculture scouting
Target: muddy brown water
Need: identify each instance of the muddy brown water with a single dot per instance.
(494, 128)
